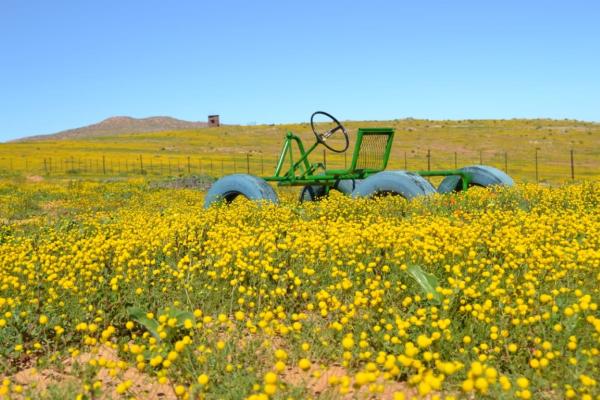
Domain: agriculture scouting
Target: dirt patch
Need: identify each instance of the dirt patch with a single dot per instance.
(320, 386)
(143, 386)
(54, 208)
(40, 381)
(34, 178)
(188, 182)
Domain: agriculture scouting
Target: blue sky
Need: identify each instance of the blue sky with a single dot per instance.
(65, 64)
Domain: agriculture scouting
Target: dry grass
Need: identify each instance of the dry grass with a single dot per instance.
(213, 150)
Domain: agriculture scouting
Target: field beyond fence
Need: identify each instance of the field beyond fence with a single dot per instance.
(537, 168)
(528, 150)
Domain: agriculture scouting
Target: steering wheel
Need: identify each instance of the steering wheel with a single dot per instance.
(322, 137)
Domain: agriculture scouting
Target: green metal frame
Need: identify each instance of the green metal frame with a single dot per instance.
(303, 172)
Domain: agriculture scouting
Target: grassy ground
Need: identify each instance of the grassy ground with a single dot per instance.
(221, 150)
(131, 289)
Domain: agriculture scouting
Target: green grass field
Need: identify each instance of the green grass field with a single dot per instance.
(215, 151)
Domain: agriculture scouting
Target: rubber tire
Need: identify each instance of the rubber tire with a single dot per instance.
(231, 186)
(482, 175)
(403, 183)
(317, 192)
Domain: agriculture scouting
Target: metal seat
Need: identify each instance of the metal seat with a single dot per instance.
(372, 149)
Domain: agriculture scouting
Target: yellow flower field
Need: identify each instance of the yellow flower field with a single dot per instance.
(124, 288)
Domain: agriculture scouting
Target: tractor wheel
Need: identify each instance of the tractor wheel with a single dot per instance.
(317, 192)
(482, 176)
(406, 184)
(231, 186)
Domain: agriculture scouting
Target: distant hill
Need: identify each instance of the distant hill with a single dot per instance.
(118, 125)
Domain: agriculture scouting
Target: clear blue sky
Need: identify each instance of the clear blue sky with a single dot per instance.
(65, 64)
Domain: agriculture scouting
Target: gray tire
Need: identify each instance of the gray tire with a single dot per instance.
(406, 184)
(231, 186)
(482, 175)
(317, 192)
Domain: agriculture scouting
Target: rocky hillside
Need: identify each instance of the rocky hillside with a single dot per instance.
(118, 125)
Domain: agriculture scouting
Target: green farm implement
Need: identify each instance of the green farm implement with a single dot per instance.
(365, 177)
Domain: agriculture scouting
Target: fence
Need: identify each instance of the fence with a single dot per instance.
(533, 166)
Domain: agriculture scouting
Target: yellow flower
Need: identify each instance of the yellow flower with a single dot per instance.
(270, 378)
(468, 385)
(523, 382)
(304, 364)
(203, 379)
(281, 354)
(348, 342)
(179, 390)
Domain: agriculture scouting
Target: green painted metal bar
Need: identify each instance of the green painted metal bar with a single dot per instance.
(466, 177)
(287, 148)
(286, 144)
(301, 172)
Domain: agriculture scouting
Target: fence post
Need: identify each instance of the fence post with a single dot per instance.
(141, 165)
(506, 162)
(345, 162)
(405, 162)
(189, 166)
(234, 166)
(428, 159)
(104, 165)
(572, 167)
(248, 163)
(325, 158)
(537, 177)
(45, 166)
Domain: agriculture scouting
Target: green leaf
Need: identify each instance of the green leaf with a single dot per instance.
(427, 281)
(139, 316)
(181, 316)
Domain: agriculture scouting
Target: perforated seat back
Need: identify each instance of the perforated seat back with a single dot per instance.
(372, 149)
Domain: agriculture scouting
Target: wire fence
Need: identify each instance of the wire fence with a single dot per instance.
(530, 166)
